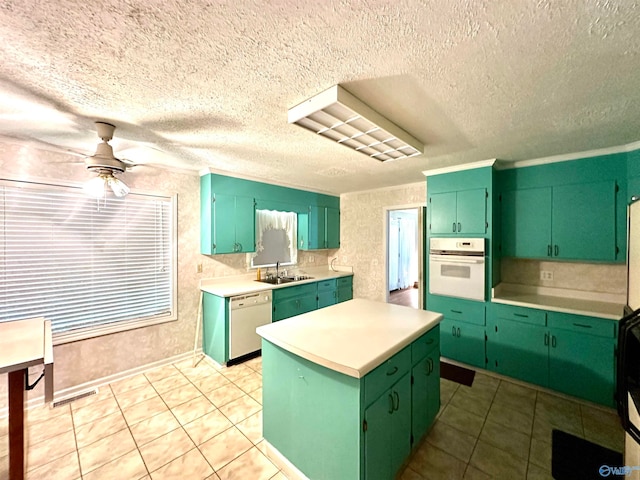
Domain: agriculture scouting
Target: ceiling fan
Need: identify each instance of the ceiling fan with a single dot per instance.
(106, 165)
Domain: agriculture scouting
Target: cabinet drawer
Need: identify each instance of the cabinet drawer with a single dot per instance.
(457, 309)
(425, 344)
(386, 374)
(325, 285)
(579, 323)
(520, 314)
(298, 290)
(345, 281)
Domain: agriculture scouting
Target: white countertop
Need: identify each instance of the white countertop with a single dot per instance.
(560, 300)
(352, 337)
(242, 284)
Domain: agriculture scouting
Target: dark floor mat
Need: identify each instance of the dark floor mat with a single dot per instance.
(575, 458)
(456, 373)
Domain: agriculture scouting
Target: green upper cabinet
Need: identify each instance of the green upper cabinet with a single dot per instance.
(231, 228)
(585, 211)
(463, 212)
(526, 222)
(228, 218)
(319, 228)
(553, 222)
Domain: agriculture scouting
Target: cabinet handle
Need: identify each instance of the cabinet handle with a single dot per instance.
(453, 331)
(392, 371)
(521, 315)
(429, 341)
(553, 341)
(582, 325)
(390, 403)
(430, 366)
(397, 403)
(459, 227)
(556, 250)
(458, 332)
(548, 250)
(454, 227)
(546, 339)
(456, 311)
(239, 247)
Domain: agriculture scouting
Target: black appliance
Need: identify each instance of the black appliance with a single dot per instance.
(628, 371)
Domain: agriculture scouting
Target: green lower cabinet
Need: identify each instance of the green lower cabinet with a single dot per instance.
(327, 298)
(387, 440)
(464, 342)
(519, 350)
(345, 289)
(572, 354)
(425, 394)
(354, 428)
(293, 306)
(582, 365)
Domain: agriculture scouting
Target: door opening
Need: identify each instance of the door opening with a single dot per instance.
(403, 257)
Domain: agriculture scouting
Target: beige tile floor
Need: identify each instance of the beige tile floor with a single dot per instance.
(185, 422)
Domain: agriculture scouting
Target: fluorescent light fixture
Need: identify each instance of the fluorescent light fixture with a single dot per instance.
(97, 186)
(338, 115)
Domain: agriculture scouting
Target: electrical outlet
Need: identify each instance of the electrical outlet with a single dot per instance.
(546, 275)
(199, 268)
(312, 259)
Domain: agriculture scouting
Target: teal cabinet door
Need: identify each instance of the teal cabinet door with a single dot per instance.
(387, 439)
(293, 306)
(584, 221)
(443, 213)
(471, 211)
(316, 228)
(377, 457)
(344, 294)
(425, 394)
(332, 216)
(400, 444)
(245, 224)
(233, 224)
(520, 350)
(224, 220)
(327, 297)
(526, 223)
(463, 342)
(582, 365)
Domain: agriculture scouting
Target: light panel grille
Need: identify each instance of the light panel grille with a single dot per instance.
(339, 116)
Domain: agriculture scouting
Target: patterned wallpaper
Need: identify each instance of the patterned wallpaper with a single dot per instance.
(88, 360)
(363, 234)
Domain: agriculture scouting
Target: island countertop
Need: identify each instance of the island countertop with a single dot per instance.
(352, 337)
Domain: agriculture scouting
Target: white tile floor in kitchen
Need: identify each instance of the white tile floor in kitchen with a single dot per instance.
(181, 422)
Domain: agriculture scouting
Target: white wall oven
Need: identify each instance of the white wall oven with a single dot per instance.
(457, 267)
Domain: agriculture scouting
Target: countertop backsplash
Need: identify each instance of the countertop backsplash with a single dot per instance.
(590, 277)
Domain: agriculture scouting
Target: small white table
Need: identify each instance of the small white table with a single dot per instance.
(23, 344)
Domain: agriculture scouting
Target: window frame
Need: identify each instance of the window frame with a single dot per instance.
(60, 338)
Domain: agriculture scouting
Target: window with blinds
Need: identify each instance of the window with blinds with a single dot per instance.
(90, 266)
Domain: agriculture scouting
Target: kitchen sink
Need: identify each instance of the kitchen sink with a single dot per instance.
(281, 280)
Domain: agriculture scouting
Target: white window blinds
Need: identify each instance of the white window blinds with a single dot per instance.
(91, 267)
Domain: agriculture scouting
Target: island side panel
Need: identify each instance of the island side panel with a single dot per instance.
(311, 415)
(215, 326)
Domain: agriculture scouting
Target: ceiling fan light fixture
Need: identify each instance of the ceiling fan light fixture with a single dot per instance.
(97, 186)
(339, 116)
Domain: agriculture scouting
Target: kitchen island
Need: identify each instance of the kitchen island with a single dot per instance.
(347, 390)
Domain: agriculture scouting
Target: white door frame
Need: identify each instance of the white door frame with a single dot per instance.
(385, 243)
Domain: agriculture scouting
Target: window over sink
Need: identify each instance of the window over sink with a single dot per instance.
(91, 267)
(275, 238)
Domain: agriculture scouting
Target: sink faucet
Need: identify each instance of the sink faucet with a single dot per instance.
(277, 268)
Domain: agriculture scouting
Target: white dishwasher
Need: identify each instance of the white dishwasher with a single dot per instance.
(246, 313)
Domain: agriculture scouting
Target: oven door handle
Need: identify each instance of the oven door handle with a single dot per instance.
(472, 261)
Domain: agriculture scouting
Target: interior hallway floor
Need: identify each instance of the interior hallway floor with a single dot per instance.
(185, 422)
(406, 296)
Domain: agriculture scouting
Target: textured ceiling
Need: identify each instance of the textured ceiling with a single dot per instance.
(208, 83)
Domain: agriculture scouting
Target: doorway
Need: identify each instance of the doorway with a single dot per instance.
(403, 245)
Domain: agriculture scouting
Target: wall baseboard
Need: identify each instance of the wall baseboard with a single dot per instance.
(79, 390)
